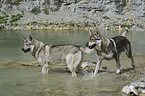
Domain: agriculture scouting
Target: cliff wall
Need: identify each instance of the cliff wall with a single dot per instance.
(72, 14)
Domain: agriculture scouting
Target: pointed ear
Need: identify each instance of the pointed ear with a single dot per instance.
(97, 31)
(91, 32)
(30, 38)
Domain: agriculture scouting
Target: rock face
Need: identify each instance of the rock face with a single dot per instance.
(106, 14)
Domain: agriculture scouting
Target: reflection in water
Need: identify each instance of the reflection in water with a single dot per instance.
(18, 80)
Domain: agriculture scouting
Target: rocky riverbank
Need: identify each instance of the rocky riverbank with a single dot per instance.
(72, 14)
(135, 88)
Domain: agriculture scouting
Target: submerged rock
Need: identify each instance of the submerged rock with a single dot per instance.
(139, 83)
(135, 88)
(130, 90)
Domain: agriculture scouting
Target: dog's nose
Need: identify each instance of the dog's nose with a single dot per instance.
(90, 47)
(25, 50)
(22, 49)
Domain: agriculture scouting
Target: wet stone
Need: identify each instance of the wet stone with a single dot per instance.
(126, 89)
(135, 88)
(140, 84)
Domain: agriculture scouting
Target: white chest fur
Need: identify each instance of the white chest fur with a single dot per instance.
(105, 56)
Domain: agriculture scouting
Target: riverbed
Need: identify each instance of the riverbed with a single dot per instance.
(19, 80)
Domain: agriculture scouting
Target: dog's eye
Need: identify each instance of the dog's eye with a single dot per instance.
(92, 39)
(27, 44)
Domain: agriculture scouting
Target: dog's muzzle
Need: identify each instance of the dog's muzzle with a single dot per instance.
(25, 50)
(91, 47)
(87, 44)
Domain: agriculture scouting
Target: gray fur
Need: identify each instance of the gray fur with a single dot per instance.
(54, 54)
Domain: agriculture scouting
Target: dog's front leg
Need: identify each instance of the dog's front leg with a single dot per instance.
(99, 61)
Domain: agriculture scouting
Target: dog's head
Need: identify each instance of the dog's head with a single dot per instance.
(28, 44)
(94, 40)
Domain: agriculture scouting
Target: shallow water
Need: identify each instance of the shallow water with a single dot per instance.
(18, 80)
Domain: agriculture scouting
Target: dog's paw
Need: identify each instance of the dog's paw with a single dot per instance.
(118, 71)
(133, 66)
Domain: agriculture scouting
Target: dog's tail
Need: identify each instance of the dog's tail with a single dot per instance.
(125, 32)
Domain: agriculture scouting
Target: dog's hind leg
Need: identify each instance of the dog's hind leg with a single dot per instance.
(70, 63)
(132, 61)
(129, 54)
(78, 57)
(74, 61)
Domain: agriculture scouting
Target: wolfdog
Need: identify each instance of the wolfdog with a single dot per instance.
(48, 55)
(109, 48)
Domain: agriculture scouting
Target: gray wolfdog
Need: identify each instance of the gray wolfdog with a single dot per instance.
(109, 48)
(72, 55)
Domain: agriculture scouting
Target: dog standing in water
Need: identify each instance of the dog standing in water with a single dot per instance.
(54, 54)
(109, 48)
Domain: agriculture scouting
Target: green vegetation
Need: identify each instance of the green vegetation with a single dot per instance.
(32, 23)
(106, 17)
(85, 16)
(22, 12)
(109, 23)
(46, 11)
(4, 13)
(15, 18)
(9, 20)
(36, 11)
(3, 19)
